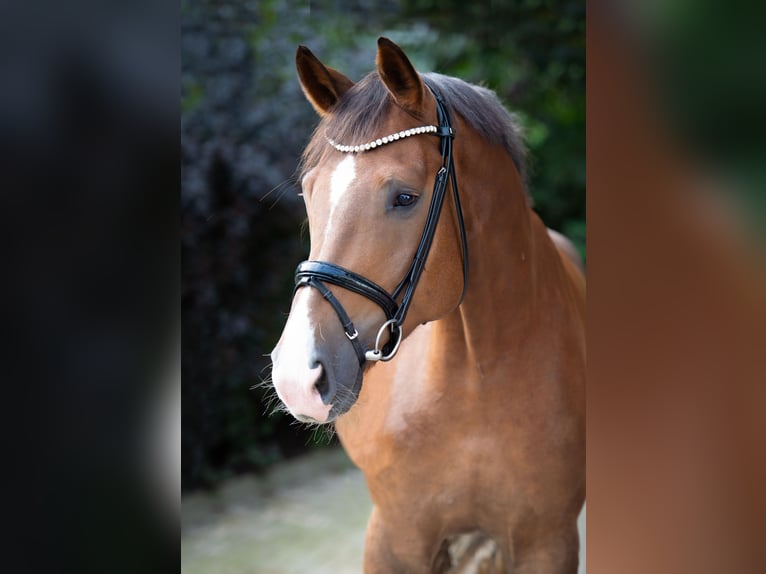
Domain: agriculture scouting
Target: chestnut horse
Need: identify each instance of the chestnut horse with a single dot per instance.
(470, 421)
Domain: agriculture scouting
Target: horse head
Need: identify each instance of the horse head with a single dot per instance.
(382, 260)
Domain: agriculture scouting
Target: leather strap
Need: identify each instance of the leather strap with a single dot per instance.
(342, 277)
(348, 325)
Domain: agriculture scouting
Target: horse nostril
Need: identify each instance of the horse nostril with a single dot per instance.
(324, 386)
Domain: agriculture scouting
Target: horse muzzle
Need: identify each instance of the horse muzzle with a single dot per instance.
(316, 373)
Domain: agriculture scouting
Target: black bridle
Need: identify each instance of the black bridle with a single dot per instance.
(317, 273)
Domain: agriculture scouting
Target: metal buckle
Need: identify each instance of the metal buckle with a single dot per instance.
(376, 354)
(353, 335)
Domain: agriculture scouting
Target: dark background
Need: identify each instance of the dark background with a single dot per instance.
(244, 125)
(89, 123)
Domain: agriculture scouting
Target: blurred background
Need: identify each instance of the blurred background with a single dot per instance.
(89, 113)
(244, 124)
(250, 503)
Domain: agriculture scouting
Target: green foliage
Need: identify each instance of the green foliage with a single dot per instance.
(532, 53)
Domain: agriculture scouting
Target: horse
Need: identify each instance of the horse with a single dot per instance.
(441, 333)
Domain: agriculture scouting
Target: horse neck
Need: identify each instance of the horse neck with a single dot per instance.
(518, 289)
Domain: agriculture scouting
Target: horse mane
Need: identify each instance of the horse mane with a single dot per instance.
(360, 112)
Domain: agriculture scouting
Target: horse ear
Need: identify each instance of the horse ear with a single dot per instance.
(399, 76)
(322, 85)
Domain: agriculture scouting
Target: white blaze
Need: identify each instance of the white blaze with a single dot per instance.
(340, 182)
(293, 376)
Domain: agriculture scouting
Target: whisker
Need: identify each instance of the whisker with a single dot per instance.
(284, 189)
(281, 185)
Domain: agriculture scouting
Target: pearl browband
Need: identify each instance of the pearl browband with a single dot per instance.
(384, 140)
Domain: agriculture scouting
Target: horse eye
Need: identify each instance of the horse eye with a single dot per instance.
(405, 200)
